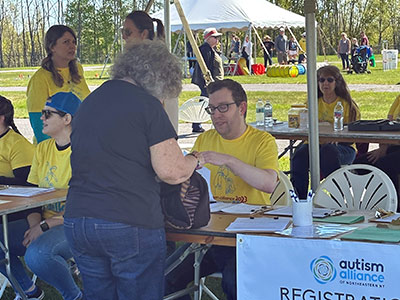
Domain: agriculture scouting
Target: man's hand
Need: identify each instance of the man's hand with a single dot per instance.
(216, 158)
(376, 154)
(31, 234)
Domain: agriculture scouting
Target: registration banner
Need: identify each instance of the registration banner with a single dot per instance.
(278, 268)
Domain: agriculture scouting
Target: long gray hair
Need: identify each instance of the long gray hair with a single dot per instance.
(150, 65)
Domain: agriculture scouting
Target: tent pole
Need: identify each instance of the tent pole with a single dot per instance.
(313, 135)
(200, 60)
(261, 42)
(167, 24)
(186, 58)
(149, 5)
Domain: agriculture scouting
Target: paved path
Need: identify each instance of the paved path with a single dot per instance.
(270, 87)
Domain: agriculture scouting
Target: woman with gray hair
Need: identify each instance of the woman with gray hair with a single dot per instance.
(122, 143)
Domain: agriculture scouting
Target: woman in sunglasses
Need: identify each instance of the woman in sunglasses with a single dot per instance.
(331, 89)
(48, 250)
(60, 72)
(15, 163)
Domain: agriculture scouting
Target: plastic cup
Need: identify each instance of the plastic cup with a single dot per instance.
(302, 213)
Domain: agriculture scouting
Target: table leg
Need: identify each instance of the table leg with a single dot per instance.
(7, 259)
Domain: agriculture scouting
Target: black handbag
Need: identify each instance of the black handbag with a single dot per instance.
(374, 125)
(186, 205)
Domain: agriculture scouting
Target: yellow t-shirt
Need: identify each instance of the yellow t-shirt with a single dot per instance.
(41, 86)
(15, 152)
(255, 147)
(395, 109)
(325, 111)
(51, 168)
(303, 45)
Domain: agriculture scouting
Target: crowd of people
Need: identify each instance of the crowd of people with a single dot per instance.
(110, 148)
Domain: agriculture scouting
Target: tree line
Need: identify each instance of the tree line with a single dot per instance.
(23, 24)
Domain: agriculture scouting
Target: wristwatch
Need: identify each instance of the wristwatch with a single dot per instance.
(44, 226)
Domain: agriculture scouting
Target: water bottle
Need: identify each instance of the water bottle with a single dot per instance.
(260, 113)
(338, 117)
(268, 120)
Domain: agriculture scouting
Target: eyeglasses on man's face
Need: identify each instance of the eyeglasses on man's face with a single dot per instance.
(329, 79)
(47, 113)
(222, 108)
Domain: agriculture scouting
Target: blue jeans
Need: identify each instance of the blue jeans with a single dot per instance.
(16, 231)
(117, 261)
(332, 156)
(47, 257)
(345, 60)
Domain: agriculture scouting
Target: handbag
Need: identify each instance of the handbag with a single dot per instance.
(374, 125)
(186, 205)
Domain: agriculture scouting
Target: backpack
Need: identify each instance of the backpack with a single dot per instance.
(186, 205)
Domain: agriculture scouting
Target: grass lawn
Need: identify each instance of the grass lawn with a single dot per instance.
(373, 105)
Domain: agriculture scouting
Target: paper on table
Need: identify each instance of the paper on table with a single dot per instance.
(4, 201)
(218, 206)
(258, 224)
(322, 231)
(341, 219)
(317, 212)
(387, 219)
(375, 234)
(241, 208)
(24, 191)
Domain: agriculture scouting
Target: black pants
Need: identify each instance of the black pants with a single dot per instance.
(390, 164)
(267, 58)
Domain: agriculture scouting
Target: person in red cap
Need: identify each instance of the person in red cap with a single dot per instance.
(213, 62)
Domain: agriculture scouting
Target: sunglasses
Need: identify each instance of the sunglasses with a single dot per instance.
(222, 108)
(47, 113)
(329, 79)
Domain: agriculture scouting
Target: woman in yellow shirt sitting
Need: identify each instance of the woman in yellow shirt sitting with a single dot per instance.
(48, 249)
(331, 89)
(16, 154)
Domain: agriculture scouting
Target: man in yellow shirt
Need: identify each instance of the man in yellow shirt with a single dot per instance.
(244, 167)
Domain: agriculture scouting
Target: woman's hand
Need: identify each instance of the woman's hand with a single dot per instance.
(32, 234)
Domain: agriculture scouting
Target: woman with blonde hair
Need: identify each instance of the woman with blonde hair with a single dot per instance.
(344, 48)
(60, 72)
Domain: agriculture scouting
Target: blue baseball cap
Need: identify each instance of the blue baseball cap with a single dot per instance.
(65, 102)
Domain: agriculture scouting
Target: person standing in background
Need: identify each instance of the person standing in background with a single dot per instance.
(269, 45)
(60, 72)
(247, 51)
(293, 50)
(364, 39)
(303, 48)
(213, 62)
(344, 48)
(281, 47)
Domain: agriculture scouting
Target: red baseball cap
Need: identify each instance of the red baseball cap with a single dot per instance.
(211, 32)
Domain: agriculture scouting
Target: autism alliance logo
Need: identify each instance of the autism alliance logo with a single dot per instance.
(323, 269)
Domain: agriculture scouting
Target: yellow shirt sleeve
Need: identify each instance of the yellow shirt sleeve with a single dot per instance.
(395, 108)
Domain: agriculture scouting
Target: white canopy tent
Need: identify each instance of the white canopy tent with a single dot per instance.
(231, 15)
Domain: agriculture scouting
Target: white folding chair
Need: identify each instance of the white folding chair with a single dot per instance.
(281, 195)
(357, 187)
(193, 110)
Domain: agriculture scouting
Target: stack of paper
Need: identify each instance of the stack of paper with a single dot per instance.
(258, 224)
(234, 208)
(24, 191)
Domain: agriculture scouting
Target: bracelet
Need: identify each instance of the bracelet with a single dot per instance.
(195, 156)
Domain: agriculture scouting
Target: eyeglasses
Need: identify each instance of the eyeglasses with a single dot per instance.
(47, 113)
(329, 79)
(222, 108)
